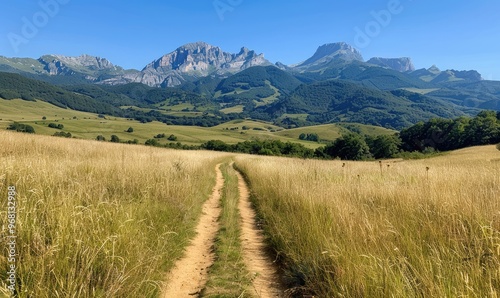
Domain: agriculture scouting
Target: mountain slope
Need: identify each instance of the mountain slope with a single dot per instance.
(342, 101)
(16, 86)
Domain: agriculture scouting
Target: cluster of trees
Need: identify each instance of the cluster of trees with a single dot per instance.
(313, 137)
(56, 126)
(357, 147)
(431, 136)
(19, 127)
(62, 134)
(172, 138)
(445, 134)
(261, 147)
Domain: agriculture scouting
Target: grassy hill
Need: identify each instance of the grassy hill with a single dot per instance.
(89, 126)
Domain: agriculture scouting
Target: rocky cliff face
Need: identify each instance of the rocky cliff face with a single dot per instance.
(399, 64)
(56, 64)
(328, 53)
(197, 60)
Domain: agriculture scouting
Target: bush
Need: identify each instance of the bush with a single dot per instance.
(152, 142)
(19, 127)
(115, 139)
(172, 138)
(160, 136)
(62, 134)
(100, 138)
(498, 146)
(56, 126)
(130, 130)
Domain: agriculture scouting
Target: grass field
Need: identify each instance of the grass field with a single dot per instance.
(99, 219)
(89, 126)
(108, 220)
(427, 228)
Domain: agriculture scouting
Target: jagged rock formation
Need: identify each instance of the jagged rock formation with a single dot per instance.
(399, 64)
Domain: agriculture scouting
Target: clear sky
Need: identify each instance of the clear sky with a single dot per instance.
(454, 34)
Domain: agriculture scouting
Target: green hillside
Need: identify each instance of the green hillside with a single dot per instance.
(342, 101)
(89, 126)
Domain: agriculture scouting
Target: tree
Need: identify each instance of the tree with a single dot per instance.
(349, 147)
(152, 142)
(130, 130)
(115, 139)
(44, 118)
(57, 126)
(384, 146)
(19, 127)
(215, 145)
(172, 138)
(100, 138)
(313, 137)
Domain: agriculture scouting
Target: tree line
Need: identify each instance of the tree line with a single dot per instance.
(422, 138)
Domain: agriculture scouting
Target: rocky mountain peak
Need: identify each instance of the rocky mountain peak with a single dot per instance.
(434, 69)
(399, 64)
(339, 50)
(197, 59)
(327, 53)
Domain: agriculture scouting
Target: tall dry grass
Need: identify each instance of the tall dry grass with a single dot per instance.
(390, 230)
(99, 219)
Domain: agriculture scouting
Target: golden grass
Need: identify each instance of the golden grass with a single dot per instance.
(99, 219)
(389, 230)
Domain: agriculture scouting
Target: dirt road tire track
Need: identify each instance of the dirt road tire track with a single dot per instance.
(265, 279)
(189, 275)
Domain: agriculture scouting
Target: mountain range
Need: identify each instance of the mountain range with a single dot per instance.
(196, 60)
(334, 84)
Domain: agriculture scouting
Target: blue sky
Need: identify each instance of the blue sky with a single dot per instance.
(451, 34)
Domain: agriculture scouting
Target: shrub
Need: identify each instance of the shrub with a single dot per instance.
(152, 142)
(172, 138)
(130, 130)
(115, 139)
(498, 146)
(62, 134)
(56, 126)
(19, 127)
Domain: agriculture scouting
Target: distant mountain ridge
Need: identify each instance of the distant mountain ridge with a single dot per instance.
(196, 60)
(381, 91)
(192, 61)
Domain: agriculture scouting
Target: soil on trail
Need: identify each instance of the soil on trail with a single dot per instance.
(265, 278)
(189, 275)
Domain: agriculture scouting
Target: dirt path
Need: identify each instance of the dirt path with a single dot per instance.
(265, 279)
(189, 275)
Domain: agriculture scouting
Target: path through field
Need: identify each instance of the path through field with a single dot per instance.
(265, 281)
(189, 275)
